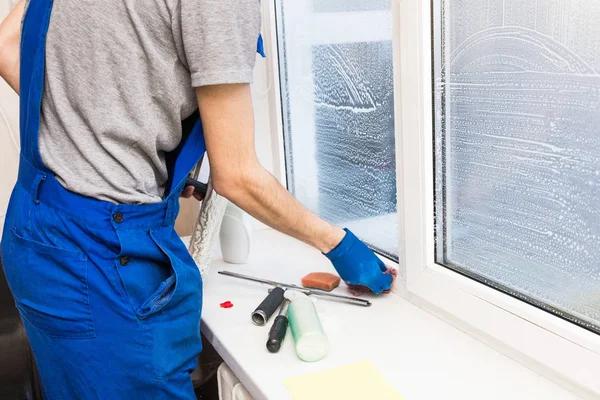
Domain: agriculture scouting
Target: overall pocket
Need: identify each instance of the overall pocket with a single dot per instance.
(146, 273)
(50, 286)
(163, 286)
(176, 330)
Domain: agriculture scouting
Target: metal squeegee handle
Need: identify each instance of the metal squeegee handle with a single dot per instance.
(316, 292)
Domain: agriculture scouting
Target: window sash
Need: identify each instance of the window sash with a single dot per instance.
(542, 341)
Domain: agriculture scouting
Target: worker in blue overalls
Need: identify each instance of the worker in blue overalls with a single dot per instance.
(111, 94)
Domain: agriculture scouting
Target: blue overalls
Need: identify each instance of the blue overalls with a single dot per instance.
(109, 295)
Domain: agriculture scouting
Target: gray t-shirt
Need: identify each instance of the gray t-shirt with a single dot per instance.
(120, 78)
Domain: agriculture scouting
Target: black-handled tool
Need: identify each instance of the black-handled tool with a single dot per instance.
(199, 187)
(267, 308)
(279, 329)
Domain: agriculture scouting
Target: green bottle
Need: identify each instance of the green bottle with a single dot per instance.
(311, 342)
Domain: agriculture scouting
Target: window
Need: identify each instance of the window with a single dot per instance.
(517, 90)
(495, 118)
(338, 100)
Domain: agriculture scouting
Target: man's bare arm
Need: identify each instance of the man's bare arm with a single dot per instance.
(228, 122)
(10, 39)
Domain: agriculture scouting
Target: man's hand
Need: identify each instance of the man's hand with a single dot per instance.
(188, 192)
(359, 267)
(10, 39)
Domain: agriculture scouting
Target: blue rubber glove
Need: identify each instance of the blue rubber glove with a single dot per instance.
(358, 265)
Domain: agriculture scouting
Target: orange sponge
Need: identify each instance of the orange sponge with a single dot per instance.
(321, 280)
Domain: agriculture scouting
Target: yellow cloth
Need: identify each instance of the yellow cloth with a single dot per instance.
(358, 381)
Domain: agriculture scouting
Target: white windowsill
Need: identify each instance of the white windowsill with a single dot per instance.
(424, 357)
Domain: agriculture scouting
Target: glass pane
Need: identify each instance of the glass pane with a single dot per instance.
(339, 113)
(518, 149)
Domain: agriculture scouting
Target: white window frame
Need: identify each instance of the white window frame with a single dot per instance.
(555, 348)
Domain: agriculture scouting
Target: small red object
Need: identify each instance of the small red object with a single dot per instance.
(227, 304)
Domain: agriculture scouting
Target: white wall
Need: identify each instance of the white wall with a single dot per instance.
(9, 133)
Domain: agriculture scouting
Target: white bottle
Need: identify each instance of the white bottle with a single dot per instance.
(235, 235)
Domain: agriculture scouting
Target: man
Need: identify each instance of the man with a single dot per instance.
(108, 294)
